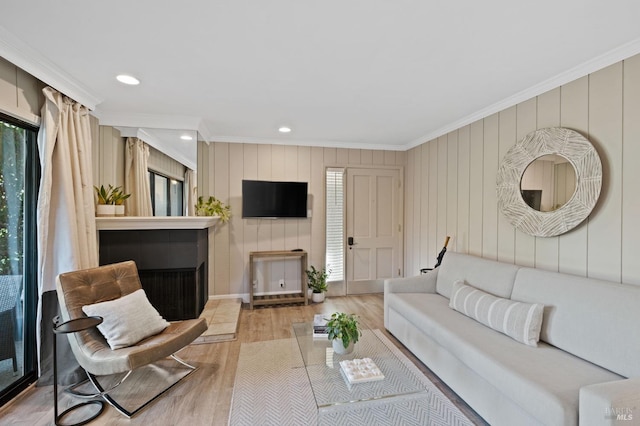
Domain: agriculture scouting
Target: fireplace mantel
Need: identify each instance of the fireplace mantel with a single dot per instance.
(171, 254)
(155, 222)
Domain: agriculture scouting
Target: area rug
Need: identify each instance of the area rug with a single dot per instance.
(272, 388)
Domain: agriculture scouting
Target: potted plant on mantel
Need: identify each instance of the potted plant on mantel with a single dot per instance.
(118, 197)
(110, 201)
(343, 332)
(213, 207)
(317, 282)
(105, 205)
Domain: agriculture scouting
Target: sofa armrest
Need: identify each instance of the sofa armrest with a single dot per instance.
(425, 283)
(610, 403)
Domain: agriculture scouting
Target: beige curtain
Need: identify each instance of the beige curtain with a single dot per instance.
(65, 214)
(136, 178)
(190, 194)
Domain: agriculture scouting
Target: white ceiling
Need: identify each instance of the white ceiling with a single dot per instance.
(386, 74)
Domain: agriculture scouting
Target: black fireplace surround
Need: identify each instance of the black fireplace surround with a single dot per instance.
(172, 265)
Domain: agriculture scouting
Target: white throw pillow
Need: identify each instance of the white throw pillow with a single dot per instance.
(127, 320)
(518, 320)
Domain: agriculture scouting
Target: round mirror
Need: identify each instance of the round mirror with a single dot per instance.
(548, 183)
(570, 203)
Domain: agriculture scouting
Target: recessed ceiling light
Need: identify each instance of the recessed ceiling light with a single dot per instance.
(186, 138)
(284, 129)
(127, 79)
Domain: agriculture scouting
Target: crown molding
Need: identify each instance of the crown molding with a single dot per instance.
(306, 142)
(30, 60)
(168, 149)
(611, 57)
(155, 121)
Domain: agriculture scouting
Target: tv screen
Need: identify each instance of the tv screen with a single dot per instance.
(261, 198)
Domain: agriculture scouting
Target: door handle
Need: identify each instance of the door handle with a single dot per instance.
(350, 242)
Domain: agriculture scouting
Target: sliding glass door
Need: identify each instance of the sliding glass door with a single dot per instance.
(18, 176)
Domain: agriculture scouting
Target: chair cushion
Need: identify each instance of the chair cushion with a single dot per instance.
(127, 320)
(518, 320)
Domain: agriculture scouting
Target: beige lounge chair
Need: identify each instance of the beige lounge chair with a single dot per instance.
(109, 282)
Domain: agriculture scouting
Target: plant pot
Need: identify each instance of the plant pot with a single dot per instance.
(119, 209)
(339, 348)
(105, 210)
(317, 297)
(309, 293)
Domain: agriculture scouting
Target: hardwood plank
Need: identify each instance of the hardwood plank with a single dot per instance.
(525, 250)
(506, 139)
(631, 173)
(476, 177)
(574, 114)
(490, 202)
(451, 225)
(605, 132)
(548, 115)
(464, 210)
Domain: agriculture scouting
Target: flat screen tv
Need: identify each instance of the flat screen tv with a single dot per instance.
(267, 199)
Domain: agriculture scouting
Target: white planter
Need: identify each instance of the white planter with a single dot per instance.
(317, 297)
(119, 209)
(309, 293)
(339, 348)
(105, 210)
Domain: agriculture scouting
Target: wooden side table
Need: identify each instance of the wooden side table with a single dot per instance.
(280, 299)
(71, 326)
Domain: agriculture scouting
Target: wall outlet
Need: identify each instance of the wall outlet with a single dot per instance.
(281, 282)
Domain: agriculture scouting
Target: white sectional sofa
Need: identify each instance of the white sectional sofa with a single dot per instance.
(585, 369)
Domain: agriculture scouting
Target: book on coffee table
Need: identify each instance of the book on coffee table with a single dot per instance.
(361, 370)
(320, 326)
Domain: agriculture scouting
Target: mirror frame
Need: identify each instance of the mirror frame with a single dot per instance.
(581, 155)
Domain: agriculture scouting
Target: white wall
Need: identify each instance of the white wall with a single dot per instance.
(221, 168)
(451, 183)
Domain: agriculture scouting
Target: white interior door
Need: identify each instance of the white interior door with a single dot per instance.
(374, 228)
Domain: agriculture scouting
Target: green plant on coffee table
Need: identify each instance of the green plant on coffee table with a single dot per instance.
(105, 195)
(317, 279)
(344, 327)
(213, 207)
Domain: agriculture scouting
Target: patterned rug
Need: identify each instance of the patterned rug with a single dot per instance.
(272, 388)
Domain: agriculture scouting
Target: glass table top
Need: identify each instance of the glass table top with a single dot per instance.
(330, 386)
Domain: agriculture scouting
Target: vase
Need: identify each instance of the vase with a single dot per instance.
(105, 210)
(339, 348)
(119, 209)
(317, 297)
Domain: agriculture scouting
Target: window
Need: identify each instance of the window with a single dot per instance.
(335, 223)
(166, 195)
(18, 256)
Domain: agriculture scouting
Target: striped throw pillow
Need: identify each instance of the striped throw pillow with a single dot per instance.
(518, 320)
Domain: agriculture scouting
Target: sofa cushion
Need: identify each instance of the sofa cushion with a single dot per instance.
(593, 319)
(487, 275)
(127, 320)
(544, 381)
(518, 320)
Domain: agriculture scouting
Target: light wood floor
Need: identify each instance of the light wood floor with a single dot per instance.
(205, 397)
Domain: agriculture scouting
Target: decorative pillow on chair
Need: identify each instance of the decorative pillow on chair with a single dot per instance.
(127, 320)
(518, 320)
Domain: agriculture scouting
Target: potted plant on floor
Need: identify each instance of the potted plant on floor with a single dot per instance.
(343, 332)
(317, 282)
